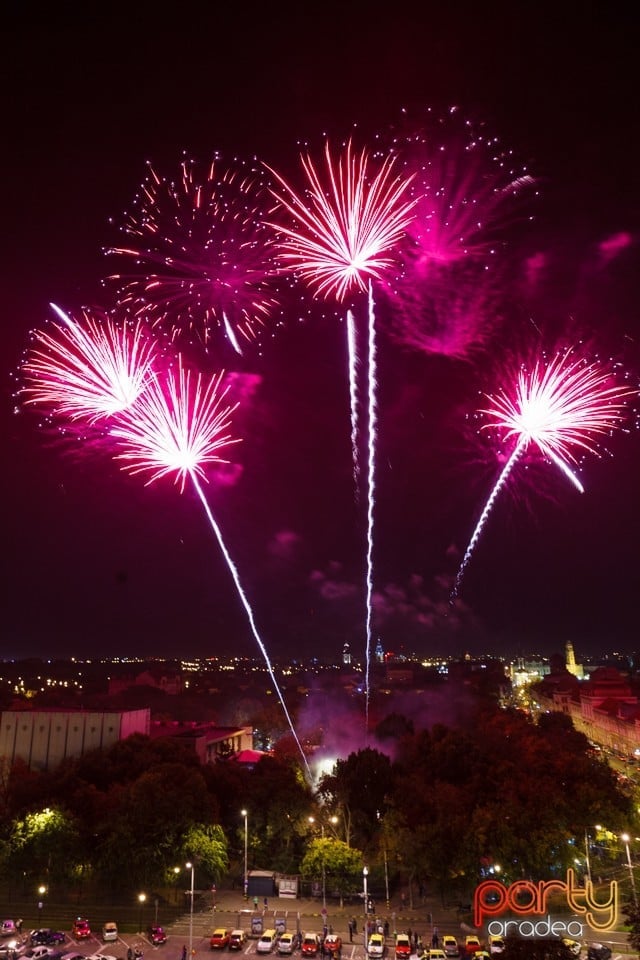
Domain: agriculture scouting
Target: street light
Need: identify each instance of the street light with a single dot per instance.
(191, 866)
(365, 874)
(41, 892)
(141, 899)
(333, 820)
(245, 814)
(625, 839)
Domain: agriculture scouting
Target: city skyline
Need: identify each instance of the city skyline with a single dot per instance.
(96, 560)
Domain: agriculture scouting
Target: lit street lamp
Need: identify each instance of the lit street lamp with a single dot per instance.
(625, 839)
(245, 814)
(190, 866)
(365, 874)
(41, 892)
(141, 899)
(334, 820)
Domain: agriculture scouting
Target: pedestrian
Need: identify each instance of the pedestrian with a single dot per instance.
(350, 931)
(386, 928)
(435, 939)
(416, 939)
(355, 925)
(255, 903)
(130, 954)
(266, 903)
(184, 953)
(19, 926)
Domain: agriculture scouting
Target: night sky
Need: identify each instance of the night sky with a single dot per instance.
(97, 564)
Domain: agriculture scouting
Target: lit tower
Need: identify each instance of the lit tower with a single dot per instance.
(576, 669)
(346, 655)
(379, 651)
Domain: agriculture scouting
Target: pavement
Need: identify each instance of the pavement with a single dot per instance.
(230, 909)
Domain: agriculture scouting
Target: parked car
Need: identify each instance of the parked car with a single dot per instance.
(333, 945)
(598, 951)
(37, 953)
(436, 953)
(472, 944)
(310, 945)
(8, 928)
(46, 937)
(109, 931)
(237, 939)
(496, 945)
(156, 935)
(267, 942)
(219, 938)
(285, 944)
(376, 945)
(403, 947)
(450, 945)
(81, 929)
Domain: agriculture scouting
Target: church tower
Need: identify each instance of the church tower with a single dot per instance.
(576, 669)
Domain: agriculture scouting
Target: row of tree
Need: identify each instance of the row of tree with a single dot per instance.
(435, 807)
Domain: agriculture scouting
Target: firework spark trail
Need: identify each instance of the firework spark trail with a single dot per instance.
(175, 428)
(372, 421)
(502, 479)
(344, 228)
(89, 370)
(561, 407)
(200, 253)
(353, 395)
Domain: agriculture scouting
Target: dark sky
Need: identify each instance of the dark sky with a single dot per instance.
(97, 564)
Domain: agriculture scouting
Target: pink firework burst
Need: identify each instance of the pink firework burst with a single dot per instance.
(179, 424)
(345, 223)
(468, 187)
(200, 253)
(561, 407)
(88, 369)
(470, 191)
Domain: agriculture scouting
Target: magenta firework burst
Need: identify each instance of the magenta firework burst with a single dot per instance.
(88, 369)
(562, 408)
(200, 255)
(179, 424)
(345, 222)
(470, 192)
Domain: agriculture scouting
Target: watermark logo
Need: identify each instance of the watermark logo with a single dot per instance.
(526, 898)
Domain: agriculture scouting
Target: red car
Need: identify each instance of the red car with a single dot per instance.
(220, 938)
(403, 947)
(81, 929)
(310, 945)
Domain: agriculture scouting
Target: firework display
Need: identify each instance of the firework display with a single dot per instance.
(561, 407)
(178, 426)
(343, 230)
(412, 232)
(199, 254)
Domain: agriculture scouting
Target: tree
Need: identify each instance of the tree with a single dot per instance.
(339, 864)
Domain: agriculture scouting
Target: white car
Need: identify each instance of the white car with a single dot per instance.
(267, 942)
(36, 953)
(376, 945)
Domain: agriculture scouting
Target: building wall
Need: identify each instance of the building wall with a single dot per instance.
(43, 739)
